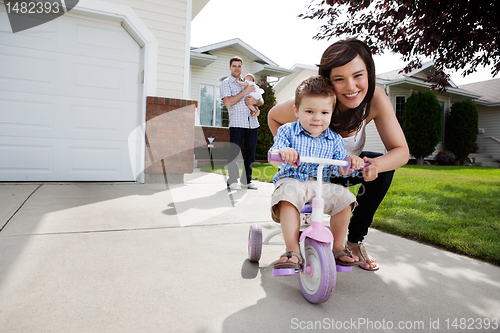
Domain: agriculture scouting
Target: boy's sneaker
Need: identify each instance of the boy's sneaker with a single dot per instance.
(234, 187)
(251, 186)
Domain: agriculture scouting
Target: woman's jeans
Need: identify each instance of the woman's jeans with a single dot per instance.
(369, 197)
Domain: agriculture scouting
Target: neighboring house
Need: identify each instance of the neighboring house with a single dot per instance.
(399, 87)
(285, 88)
(209, 67)
(76, 92)
(488, 107)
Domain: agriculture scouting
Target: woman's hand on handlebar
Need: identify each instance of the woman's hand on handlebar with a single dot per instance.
(370, 172)
(356, 164)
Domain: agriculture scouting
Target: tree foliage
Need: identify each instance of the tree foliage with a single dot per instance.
(461, 129)
(422, 124)
(265, 138)
(458, 35)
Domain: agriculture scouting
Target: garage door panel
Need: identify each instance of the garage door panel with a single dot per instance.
(103, 79)
(92, 159)
(20, 114)
(40, 37)
(101, 123)
(24, 157)
(94, 119)
(26, 69)
(104, 41)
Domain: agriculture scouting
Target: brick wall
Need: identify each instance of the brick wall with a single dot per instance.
(221, 144)
(220, 134)
(169, 135)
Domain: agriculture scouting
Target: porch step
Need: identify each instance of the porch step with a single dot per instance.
(485, 160)
(489, 164)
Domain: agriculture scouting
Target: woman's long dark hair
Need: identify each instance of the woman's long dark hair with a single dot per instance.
(336, 55)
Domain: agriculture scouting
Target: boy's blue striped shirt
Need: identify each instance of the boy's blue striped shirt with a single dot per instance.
(327, 145)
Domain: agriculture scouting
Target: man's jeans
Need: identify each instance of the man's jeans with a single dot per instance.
(237, 135)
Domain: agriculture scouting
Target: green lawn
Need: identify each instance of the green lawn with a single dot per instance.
(456, 208)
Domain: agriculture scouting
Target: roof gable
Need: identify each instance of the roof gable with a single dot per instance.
(239, 46)
(262, 65)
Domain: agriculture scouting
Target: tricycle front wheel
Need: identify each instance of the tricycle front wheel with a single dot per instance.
(318, 278)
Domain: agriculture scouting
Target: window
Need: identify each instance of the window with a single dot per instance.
(206, 105)
(212, 111)
(400, 103)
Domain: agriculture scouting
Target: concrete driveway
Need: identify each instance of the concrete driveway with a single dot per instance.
(149, 258)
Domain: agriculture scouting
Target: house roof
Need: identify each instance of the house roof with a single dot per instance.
(198, 5)
(418, 78)
(489, 91)
(262, 65)
(419, 74)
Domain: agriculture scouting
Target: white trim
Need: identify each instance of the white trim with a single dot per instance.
(131, 22)
(187, 52)
(201, 59)
(457, 91)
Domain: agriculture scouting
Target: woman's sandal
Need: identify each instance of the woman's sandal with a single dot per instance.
(367, 259)
(289, 264)
(347, 253)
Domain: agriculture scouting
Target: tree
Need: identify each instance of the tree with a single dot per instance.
(461, 129)
(265, 138)
(459, 34)
(422, 124)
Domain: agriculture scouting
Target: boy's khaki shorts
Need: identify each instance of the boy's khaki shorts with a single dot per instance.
(298, 193)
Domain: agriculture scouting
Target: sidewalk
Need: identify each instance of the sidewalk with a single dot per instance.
(144, 258)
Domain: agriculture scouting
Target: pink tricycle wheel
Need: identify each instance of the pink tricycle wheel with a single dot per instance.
(254, 242)
(318, 278)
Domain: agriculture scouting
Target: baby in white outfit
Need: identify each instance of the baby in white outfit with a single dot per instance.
(257, 93)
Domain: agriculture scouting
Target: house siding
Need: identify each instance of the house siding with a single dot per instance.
(167, 20)
(489, 118)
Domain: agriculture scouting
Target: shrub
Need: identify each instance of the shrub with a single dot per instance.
(265, 138)
(445, 158)
(461, 129)
(422, 124)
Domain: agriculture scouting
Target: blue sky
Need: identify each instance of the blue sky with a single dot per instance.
(273, 28)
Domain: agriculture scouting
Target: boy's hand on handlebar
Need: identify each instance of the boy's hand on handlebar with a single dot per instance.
(289, 155)
(371, 171)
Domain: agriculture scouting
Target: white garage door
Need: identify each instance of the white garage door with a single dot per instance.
(69, 92)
